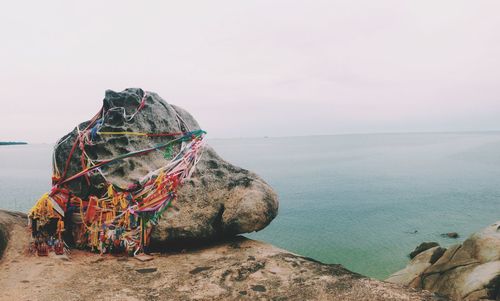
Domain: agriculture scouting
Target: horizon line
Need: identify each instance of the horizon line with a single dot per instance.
(365, 133)
(337, 134)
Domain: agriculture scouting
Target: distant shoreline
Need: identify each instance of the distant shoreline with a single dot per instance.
(12, 143)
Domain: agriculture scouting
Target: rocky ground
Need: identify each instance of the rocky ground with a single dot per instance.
(240, 269)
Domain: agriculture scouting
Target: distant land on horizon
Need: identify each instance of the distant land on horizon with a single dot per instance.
(12, 142)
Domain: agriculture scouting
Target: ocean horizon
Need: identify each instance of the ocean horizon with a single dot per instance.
(361, 200)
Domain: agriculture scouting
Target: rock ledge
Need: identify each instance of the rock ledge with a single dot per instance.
(238, 269)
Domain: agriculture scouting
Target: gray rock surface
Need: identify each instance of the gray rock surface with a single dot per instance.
(467, 271)
(423, 247)
(219, 200)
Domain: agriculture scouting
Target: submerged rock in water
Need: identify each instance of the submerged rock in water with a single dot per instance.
(450, 235)
(470, 271)
(219, 200)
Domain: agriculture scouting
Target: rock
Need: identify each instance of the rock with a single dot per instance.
(219, 200)
(450, 235)
(146, 270)
(417, 266)
(468, 271)
(422, 247)
(236, 269)
(9, 220)
(4, 239)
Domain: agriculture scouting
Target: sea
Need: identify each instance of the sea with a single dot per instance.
(364, 201)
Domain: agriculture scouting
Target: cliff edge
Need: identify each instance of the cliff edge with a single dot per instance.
(238, 269)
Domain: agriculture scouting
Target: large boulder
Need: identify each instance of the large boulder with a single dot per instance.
(468, 271)
(219, 200)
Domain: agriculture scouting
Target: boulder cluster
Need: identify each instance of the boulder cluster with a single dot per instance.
(467, 271)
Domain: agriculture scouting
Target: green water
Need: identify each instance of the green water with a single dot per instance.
(352, 199)
(356, 199)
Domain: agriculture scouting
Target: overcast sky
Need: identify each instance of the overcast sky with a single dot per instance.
(255, 68)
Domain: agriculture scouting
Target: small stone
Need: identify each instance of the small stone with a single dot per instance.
(63, 257)
(199, 270)
(146, 270)
(259, 288)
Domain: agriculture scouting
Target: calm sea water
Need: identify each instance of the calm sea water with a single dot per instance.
(350, 199)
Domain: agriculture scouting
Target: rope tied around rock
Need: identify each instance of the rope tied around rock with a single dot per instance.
(122, 218)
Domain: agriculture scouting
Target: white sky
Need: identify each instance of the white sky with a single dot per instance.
(254, 68)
